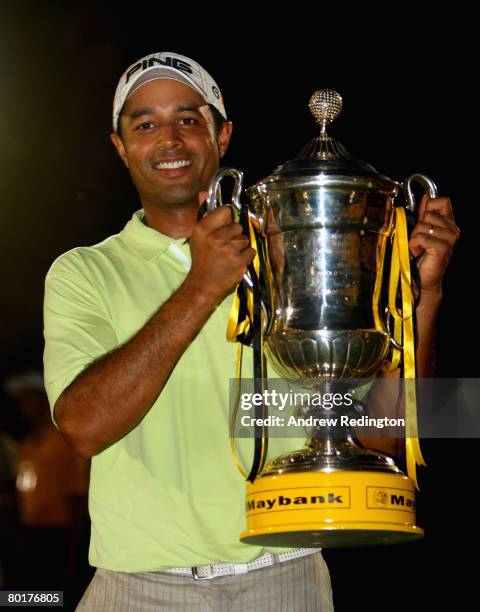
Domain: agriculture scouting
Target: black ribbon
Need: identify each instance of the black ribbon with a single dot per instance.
(254, 338)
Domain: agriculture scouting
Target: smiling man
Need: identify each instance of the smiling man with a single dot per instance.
(137, 371)
(137, 367)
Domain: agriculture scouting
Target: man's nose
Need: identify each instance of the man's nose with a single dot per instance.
(168, 136)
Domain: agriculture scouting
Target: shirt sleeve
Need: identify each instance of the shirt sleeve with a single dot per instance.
(77, 326)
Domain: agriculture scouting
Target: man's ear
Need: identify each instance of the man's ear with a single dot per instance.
(118, 144)
(223, 138)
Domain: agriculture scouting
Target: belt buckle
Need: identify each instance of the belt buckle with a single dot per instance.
(197, 577)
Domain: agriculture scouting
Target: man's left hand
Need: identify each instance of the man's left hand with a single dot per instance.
(432, 240)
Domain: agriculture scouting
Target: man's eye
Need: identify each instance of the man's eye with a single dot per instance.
(146, 125)
(187, 121)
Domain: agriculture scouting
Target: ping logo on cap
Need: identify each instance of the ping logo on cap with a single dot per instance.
(171, 62)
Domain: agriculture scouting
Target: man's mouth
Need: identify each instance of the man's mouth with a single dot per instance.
(173, 165)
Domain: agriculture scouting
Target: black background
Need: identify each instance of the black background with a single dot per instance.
(409, 106)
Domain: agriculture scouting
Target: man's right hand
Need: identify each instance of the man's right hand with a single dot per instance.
(220, 253)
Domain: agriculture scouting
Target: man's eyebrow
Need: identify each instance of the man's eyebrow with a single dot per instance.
(190, 109)
(140, 112)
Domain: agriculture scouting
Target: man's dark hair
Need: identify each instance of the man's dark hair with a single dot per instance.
(218, 118)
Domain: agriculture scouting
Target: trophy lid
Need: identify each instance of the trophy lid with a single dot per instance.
(324, 160)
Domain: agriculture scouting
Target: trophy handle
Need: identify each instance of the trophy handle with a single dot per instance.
(214, 198)
(426, 182)
(389, 330)
(431, 190)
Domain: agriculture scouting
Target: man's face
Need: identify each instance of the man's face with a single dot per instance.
(168, 144)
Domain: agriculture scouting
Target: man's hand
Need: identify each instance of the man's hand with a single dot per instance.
(433, 239)
(220, 253)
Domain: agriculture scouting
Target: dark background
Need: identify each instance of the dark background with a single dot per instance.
(408, 91)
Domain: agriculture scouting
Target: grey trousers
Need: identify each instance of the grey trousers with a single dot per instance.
(300, 584)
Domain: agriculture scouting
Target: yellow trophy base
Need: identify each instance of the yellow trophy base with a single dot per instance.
(330, 509)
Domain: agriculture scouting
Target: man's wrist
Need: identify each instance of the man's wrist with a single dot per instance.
(430, 298)
(199, 294)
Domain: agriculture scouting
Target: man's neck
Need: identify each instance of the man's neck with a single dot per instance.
(175, 222)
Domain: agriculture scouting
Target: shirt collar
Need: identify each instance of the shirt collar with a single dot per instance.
(144, 240)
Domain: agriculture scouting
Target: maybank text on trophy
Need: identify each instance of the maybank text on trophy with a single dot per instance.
(329, 302)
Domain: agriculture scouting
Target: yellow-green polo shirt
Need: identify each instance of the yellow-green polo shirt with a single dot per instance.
(168, 493)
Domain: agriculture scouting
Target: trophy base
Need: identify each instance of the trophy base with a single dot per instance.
(331, 509)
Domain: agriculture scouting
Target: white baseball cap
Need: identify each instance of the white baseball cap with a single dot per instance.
(166, 65)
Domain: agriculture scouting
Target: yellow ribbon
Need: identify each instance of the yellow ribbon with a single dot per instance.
(234, 329)
(396, 354)
(403, 331)
(233, 416)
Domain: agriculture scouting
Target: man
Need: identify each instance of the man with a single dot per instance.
(137, 370)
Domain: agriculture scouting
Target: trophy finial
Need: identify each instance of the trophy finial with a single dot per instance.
(325, 105)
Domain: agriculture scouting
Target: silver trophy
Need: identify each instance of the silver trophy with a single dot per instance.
(326, 219)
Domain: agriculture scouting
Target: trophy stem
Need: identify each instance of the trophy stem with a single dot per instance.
(329, 431)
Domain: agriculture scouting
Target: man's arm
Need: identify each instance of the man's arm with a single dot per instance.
(432, 239)
(111, 396)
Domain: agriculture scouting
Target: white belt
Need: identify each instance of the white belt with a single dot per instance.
(205, 572)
